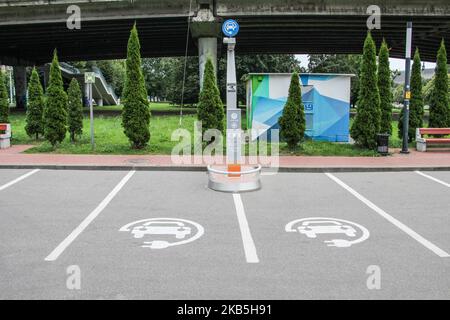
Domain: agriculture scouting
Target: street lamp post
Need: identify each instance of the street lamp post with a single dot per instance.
(89, 79)
(11, 86)
(407, 89)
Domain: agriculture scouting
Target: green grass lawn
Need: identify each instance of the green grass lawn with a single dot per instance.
(109, 136)
(154, 106)
(110, 139)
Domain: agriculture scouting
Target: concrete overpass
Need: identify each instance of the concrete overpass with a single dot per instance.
(30, 30)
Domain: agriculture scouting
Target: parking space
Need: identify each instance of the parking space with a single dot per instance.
(123, 267)
(308, 268)
(10, 177)
(164, 235)
(418, 202)
(35, 214)
(441, 177)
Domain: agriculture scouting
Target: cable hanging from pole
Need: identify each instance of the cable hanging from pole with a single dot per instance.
(185, 62)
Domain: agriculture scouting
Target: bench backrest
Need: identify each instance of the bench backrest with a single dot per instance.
(434, 131)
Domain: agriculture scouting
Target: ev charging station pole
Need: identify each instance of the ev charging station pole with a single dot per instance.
(230, 28)
(407, 88)
(234, 178)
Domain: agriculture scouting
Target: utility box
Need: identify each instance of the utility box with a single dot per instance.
(326, 100)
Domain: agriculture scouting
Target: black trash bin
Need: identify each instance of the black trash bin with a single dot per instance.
(383, 144)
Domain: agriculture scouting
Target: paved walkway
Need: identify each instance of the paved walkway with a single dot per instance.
(14, 157)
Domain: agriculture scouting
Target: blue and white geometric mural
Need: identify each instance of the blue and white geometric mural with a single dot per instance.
(326, 99)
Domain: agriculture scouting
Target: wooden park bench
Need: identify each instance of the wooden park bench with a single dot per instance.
(421, 142)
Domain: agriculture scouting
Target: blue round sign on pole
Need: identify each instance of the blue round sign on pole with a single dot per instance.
(230, 28)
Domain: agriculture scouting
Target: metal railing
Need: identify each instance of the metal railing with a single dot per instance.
(69, 67)
(107, 86)
(98, 74)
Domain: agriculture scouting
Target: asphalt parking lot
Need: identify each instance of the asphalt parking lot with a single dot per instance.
(164, 235)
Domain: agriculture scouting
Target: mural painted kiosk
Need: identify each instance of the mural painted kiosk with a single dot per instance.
(326, 98)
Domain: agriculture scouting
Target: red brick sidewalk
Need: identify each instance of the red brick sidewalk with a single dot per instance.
(15, 157)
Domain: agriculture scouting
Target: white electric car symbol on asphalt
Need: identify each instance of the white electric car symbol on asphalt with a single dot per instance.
(312, 228)
(175, 228)
(180, 231)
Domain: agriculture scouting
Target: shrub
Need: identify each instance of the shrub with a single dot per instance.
(34, 121)
(4, 101)
(136, 110)
(367, 122)
(439, 104)
(75, 115)
(416, 102)
(55, 111)
(292, 122)
(210, 107)
(385, 88)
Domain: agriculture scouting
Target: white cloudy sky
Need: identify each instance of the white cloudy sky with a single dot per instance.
(396, 64)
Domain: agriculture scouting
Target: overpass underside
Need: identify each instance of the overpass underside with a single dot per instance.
(29, 33)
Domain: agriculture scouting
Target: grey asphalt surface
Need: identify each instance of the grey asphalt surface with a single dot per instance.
(40, 211)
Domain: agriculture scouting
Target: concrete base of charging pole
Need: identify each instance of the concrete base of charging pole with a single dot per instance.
(247, 179)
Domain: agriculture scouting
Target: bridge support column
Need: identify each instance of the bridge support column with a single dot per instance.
(206, 29)
(20, 84)
(46, 72)
(99, 102)
(85, 96)
(207, 49)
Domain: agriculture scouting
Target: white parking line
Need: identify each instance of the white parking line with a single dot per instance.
(441, 253)
(433, 178)
(247, 240)
(83, 225)
(26, 175)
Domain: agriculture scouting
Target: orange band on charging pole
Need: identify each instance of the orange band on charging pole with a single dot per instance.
(234, 168)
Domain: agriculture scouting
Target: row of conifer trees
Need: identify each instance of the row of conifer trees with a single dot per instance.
(374, 106)
(50, 115)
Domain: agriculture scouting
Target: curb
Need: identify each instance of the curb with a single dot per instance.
(203, 169)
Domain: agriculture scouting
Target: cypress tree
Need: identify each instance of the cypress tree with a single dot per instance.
(210, 107)
(416, 103)
(34, 121)
(367, 122)
(55, 111)
(385, 88)
(4, 101)
(439, 104)
(75, 115)
(136, 110)
(292, 122)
